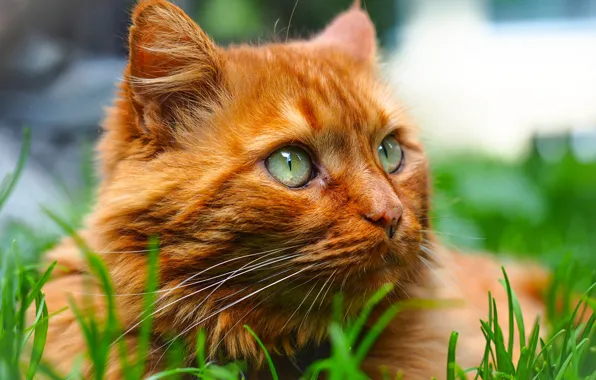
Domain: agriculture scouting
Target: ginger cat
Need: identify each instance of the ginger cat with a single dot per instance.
(275, 176)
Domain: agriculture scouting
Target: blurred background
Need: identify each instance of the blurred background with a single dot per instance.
(504, 92)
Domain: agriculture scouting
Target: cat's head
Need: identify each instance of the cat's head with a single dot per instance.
(274, 176)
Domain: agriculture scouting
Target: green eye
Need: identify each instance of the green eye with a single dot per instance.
(290, 165)
(390, 154)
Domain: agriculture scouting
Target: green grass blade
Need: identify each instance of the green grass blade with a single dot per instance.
(533, 345)
(314, 370)
(588, 304)
(587, 330)
(514, 304)
(174, 372)
(356, 328)
(562, 370)
(50, 315)
(374, 332)
(39, 284)
(232, 371)
(546, 346)
(269, 360)
(504, 363)
(511, 337)
(41, 333)
(48, 372)
(344, 363)
(200, 349)
(570, 327)
(90, 335)
(451, 356)
(149, 300)
(483, 368)
(8, 186)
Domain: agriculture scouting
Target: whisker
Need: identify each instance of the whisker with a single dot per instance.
(299, 306)
(241, 318)
(426, 262)
(246, 267)
(343, 283)
(183, 283)
(233, 275)
(194, 325)
(114, 252)
(347, 311)
(191, 294)
(455, 235)
(268, 253)
(327, 291)
(290, 21)
(273, 275)
(315, 300)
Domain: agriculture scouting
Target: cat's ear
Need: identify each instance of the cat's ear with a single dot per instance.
(353, 32)
(173, 63)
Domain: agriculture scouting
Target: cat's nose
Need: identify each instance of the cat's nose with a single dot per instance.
(388, 218)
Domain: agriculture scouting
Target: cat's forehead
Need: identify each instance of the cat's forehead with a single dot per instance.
(316, 90)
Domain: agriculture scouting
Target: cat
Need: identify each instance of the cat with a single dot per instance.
(274, 177)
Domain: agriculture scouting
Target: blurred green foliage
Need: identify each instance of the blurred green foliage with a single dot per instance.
(531, 207)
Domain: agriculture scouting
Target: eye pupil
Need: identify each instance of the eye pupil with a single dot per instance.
(390, 154)
(288, 157)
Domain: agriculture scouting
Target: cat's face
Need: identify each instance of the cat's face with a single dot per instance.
(271, 174)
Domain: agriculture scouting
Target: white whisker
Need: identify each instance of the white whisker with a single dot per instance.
(194, 293)
(299, 306)
(267, 262)
(194, 325)
(315, 300)
(183, 283)
(327, 291)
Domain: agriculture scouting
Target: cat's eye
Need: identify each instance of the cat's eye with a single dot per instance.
(390, 154)
(290, 165)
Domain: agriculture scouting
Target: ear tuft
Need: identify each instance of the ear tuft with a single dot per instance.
(169, 56)
(165, 45)
(353, 32)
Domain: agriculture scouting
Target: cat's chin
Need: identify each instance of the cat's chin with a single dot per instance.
(371, 280)
(384, 268)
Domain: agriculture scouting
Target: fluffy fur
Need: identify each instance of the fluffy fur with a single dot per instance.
(182, 158)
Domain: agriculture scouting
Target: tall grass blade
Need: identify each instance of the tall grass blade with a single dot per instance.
(267, 356)
(41, 333)
(8, 186)
(359, 323)
(451, 365)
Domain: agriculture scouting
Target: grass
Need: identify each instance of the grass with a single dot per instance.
(569, 352)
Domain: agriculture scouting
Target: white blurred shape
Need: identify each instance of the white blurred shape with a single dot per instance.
(477, 85)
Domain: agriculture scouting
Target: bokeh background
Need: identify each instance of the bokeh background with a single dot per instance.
(504, 92)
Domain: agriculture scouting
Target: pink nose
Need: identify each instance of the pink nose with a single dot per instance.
(387, 218)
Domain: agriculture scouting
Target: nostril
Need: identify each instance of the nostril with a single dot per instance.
(388, 219)
(390, 230)
(378, 216)
(393, 215)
